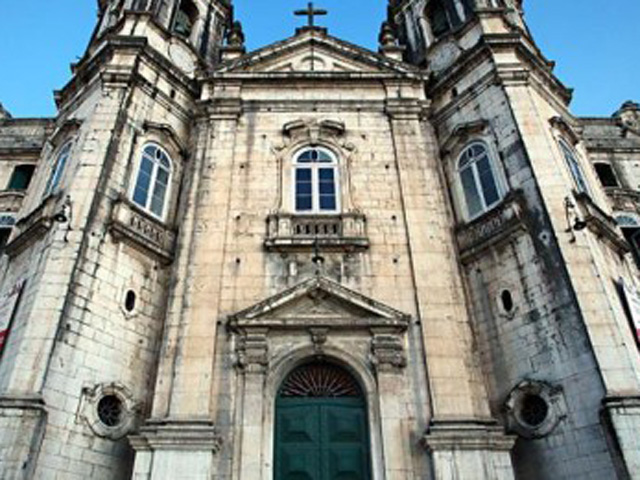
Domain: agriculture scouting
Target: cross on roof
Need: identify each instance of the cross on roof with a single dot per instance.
(310, 12)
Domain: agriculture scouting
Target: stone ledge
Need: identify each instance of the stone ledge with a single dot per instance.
(34, 226)
(467, 435)
(167, 434)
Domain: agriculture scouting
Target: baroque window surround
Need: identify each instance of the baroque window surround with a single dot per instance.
(287, 229)
(136, 225)
(463, 137)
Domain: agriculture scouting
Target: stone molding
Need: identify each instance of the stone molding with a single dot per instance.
(173, 434)
(467, 435)
(355, 312)
(142, 231)
(492, 228)
(35, 225)
(601, 223)
(342, 232)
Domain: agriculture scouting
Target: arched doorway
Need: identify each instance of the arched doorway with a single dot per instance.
(321, 428)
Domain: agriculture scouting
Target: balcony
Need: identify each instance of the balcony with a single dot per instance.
(11, 200)
(340, 232)
(140, 230)
(35, 225)
(491, 228)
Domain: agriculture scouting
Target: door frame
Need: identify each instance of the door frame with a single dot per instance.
(283, 365)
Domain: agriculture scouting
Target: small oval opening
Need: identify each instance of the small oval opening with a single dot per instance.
(534, 410)
(110, 410)
(507, 301)
(130, 301)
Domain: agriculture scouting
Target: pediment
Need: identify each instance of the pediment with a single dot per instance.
(320, 302)
(314, 52)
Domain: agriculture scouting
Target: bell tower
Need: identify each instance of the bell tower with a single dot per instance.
(200, 24)
(424, 23)
(490, 85)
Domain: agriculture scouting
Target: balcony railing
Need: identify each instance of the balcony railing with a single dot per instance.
(340, 231)
(142, 231)
(492, 227)
(11, 200)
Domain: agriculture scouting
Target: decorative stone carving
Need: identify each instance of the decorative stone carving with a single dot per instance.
(534, 408)
(253, 351)
(287, 231)
(319, 338)
(126, 419)
(142, 231)
(387, 351)
(491, 228)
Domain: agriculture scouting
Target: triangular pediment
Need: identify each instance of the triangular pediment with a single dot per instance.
(315, 52)
(320, 302)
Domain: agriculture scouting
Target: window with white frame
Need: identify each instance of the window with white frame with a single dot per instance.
(57, 171)
(480, 186)
(574, 167)
(316, 181)
(152, 183)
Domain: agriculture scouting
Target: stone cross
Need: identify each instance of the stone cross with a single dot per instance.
(310, 12)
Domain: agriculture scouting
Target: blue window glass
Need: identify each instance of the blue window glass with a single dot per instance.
(479, 183)
(316, 187)
(58, 169)
(153, 180)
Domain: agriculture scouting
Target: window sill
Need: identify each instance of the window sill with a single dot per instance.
(340, 232)
(142, 231)
(35, 225)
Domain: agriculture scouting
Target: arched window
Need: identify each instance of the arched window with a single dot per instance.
(185, 19)
(58, 169)
(479, 182)
(152, 183)
(574, 167)
(316, 182)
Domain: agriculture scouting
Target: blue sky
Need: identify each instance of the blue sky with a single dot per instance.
(595, 43)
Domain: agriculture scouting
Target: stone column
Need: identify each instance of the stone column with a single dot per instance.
(461, 423)
(181, 436)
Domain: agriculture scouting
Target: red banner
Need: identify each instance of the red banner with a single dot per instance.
(8, 303)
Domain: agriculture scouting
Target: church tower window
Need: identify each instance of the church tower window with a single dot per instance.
(185, 19)
(21, 177)
(479, 182)
(316, 181)
(442, 17)
(152, 183)
(58, 169)
(574, 167)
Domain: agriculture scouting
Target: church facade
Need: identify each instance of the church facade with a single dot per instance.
(315, 261)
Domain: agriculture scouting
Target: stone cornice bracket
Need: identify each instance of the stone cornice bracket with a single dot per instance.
(252, 350)
(170, 134)
(387, 351)
(63, 131)
(462, 133)
(467, 435)
(572, 133)
(177, 435)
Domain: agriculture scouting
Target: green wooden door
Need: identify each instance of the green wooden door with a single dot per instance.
(321, 439)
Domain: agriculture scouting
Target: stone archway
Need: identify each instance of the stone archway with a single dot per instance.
(321, 427)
